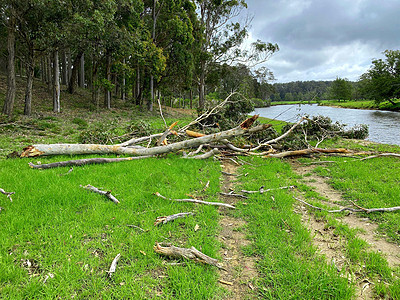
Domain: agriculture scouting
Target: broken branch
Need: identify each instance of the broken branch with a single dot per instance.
(367, 210)
(186, 253)
(307, 152)
(8, 194)
(196, 201)
(82, 162)
(261, 190)
(96, 190)
(166, 219)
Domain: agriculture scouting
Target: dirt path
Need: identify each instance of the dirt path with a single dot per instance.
(240, 269)
(332, 246)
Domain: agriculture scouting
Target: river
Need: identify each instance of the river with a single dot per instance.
(384, 126)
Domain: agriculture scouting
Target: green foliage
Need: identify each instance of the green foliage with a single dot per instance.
(318, 128)
(382, 80)
(82, 124)
(341, 89)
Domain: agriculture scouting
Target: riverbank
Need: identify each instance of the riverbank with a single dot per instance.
(363, 104)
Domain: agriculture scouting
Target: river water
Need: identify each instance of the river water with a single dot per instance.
(384, 126)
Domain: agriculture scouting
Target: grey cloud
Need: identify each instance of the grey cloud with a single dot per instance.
(338, 36)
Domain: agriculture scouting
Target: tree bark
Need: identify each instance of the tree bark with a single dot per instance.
(107, 98)
(123, 84)
(64, 73)
(56, 83)
(74, 73)
(8, 107)
(81, 81)
(49, 74)
(66, 149)
(29, 82)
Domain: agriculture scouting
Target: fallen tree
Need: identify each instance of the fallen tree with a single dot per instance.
(75, 149)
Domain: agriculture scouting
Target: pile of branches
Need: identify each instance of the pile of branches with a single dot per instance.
(254, 140)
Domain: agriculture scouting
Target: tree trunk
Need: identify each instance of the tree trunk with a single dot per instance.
(81, 82)
(69, 64)
(151, 98)
(107, 98)
(191, 99)
(202, 84)
(64, 74)
(123, 84)
(56, 83)
(138, 91)
(95, 86)
(29, 80)
(74, 73)
(8, 107)
(43, 70)
(49, 75)
(67, 149)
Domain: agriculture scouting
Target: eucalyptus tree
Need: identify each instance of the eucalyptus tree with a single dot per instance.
(9, 18)
(221, 39)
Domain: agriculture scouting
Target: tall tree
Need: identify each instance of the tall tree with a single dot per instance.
(8, 107)
(382, 80)
(341, 89)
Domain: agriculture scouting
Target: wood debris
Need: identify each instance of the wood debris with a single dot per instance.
(196, 201)
(8, 194)
(166, 219)
(186, 253)
(113, 266)
(98, 191)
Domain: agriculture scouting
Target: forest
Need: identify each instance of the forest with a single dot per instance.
(136, 50)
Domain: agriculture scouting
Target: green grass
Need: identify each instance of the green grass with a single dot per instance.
(289, 266)
(75, 234)
(364, 104)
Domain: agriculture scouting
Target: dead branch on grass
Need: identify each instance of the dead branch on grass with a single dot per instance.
(166, 219)
(98, 191)
(361, 209)
(196, 201)
(261, 190)
(8, 194)
(186, 253)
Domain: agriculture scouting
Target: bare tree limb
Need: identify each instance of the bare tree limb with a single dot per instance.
(367, 210)
(8, 194)
(231, 194)
(262, 190)
(186, 253)
(96, 190)
(166, 219)
(381, 155)
(196, 201)
(307, 152)
(205, 155)
(82, 162)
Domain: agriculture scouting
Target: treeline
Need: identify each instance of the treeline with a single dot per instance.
(137, 50)
(381, 82)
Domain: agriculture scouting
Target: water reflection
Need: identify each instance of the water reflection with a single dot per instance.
(384, 126)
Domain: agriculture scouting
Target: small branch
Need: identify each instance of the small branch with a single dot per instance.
(261, 190)
(186, 253)
(307, 152)
(205, 155)
(113, 266)
(206, 186)
(196, 201)
(96, 190)
(165, 134)
(231, 194)
(83, 162)
(8, 194)
(69, 171)
(367, 210)
(380, 155)
(166, 219)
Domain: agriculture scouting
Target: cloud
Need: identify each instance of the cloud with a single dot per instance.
(320, 40)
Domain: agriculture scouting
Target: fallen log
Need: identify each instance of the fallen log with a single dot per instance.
(8, 194)
(73, 149)
(96, 190)
(361, 209)
(186, 253)
(307, 152)
(205, 155)
(166, 219)
(82, 162)
(196, 201)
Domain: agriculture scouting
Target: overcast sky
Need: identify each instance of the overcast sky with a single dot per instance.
(325, 39)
